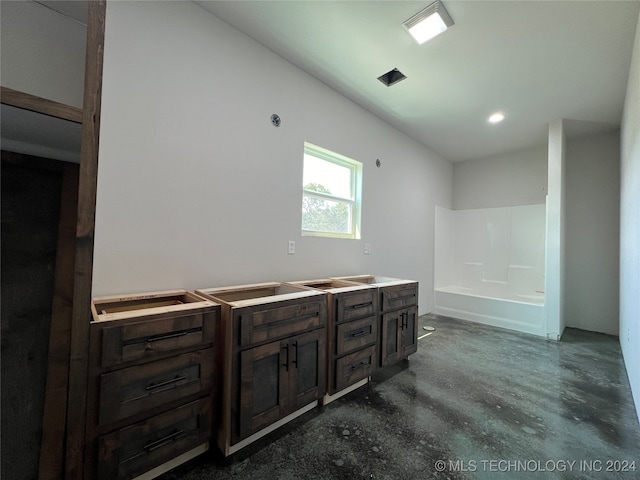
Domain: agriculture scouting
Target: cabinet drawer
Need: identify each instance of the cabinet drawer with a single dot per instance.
(136, 449)
(144, 339)
(260, 324)
(353, 335)
(354, 367)
(356, 305)
(134, 390)
(400, 296)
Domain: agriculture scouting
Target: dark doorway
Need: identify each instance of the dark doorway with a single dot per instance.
(32, 190)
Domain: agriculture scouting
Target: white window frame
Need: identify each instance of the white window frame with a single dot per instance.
(355, 199)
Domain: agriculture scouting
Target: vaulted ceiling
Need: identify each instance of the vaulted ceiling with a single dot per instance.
(536, 61)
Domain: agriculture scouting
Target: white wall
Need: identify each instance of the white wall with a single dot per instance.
(515, 178)
(592, 232)
(196, 188)
(630, 226)
(42, 52)
(555, 230)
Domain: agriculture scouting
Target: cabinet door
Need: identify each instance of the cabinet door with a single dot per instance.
(264, 386)
(136, 449)
(399, 335)
(307, 372)
(353, 367)
(352, 336)
(398, 297)
(390, 341)
(135, 390)
(409, 332)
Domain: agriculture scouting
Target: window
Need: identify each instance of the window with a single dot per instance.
(331, 194)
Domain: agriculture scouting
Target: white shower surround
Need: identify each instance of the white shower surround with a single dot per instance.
(490, 266)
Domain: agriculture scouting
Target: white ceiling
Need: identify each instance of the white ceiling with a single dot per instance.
(534, 60)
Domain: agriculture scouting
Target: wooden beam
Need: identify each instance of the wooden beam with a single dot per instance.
(26, 101)
(81, 314)
(55, 402)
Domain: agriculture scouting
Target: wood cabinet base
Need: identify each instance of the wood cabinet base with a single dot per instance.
(231, 449)
(330, 398)
(165, 467)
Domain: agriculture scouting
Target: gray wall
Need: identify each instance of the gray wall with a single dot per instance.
(506, 180)
(592, 232)
(197, 189)
(630, 226)
(42, 52)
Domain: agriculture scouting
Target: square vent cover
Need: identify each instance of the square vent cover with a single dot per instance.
(392, 77)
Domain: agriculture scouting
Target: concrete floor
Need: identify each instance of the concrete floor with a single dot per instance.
(473, 402)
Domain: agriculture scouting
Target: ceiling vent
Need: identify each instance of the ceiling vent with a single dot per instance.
(392, 77)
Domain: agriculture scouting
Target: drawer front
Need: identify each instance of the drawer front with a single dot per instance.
(145, 339)
(400, 296)
(354, 367)
(134, 390)
(356, 305)
(260, 324)
(353, 335)
(136, 449)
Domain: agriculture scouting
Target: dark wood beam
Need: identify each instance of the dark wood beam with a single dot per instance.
(51, 465)
(26, 101)
(81, 314)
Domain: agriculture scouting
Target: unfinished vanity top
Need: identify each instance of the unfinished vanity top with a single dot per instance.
(256, 294)
(374, 280)
(331, 285)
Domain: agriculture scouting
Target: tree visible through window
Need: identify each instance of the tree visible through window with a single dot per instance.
(331, 194)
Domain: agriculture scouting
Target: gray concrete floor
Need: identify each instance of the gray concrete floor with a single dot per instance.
(473, 402)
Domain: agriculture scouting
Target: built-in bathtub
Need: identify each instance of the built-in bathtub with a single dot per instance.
(523, 312)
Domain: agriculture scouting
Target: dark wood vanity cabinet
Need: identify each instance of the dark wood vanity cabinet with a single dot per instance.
(273, 365)
(352, 331)
(398, 322)
(398, 316)
(151, 385)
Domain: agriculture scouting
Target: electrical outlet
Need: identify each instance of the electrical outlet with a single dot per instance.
(292, 247)
(367, 249)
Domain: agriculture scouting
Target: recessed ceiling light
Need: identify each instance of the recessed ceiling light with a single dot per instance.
(429, 22)
(496, 117)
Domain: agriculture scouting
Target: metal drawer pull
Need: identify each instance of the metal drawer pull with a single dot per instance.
(159, 338)
(171, 383)
(286, 362)
(361, 333)
(358, 365)
(359, 305)
(295, 360)
(150, 447)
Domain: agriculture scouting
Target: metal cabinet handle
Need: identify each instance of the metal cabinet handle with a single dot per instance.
(286, 362)
(159, 338)
(359, 305)
(361, 333)
(169, 383)
(358, 365)
(150, 447)
(295, 356)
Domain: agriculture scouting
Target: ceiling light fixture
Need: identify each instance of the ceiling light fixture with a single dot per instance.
(429, 22)
(496, 117)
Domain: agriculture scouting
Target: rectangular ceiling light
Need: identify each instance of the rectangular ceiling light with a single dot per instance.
(429, 22)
